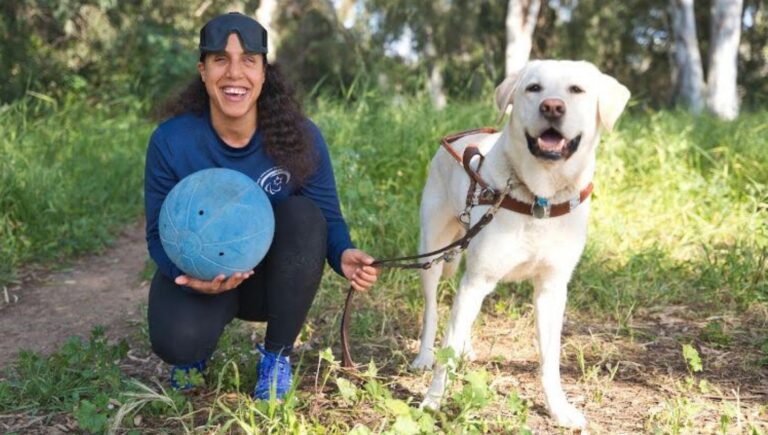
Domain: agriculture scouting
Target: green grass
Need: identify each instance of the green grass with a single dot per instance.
(678, 218)
(679, 213)
(70, 175)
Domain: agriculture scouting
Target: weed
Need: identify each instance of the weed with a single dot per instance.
(715, 334)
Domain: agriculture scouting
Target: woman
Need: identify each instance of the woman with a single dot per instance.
(241, 115)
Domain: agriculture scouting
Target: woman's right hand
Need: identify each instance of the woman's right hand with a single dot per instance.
(217, 285)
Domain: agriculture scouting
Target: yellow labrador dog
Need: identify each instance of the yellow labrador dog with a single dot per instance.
(547, 150)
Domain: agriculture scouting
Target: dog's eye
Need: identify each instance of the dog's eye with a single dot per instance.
(576, 90)
(533, 88)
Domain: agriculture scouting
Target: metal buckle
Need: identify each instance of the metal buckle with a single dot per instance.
(540, 208)
(488, 194)
(464, 218)
(573, 203)
(476, 196)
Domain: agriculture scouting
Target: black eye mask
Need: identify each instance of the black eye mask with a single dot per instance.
(213, 36)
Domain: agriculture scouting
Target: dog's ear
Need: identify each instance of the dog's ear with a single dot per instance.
(611, 101)
(504, 94)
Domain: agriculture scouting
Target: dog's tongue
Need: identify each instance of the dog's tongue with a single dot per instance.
(551, 140)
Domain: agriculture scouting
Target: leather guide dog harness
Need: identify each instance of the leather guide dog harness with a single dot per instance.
(480, 193)
(541, 208)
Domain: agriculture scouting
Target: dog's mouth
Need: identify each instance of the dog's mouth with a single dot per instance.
(552, 145)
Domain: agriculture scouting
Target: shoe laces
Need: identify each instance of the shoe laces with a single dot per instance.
(274, 369)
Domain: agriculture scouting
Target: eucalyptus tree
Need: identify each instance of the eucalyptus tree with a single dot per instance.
(722, 96)
(520, 23)
(688, 71)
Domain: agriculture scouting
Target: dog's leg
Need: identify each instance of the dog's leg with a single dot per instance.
(439, 228)
(430, 278)
(465, 309)
(429, 281)
(468, 350)
(550, 300)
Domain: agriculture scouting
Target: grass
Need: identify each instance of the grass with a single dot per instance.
(71, 174)
(676, 256)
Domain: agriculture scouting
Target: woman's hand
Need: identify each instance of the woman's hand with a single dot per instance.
(357, 268)
(218, 285)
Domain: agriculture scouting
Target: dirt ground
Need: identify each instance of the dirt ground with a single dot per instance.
(102, 289)
(620, 380)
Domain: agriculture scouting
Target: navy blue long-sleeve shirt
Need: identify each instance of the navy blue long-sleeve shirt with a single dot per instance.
(188, 143)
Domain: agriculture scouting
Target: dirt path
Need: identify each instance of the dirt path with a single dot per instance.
(100, 289)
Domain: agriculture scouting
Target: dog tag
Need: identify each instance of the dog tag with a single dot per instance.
(540, 208)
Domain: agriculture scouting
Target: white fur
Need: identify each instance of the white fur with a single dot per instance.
(514, 246)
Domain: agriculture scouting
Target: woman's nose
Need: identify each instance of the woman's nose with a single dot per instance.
(234, 70)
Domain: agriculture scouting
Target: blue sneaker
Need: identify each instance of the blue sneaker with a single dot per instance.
(187, 376)
(274, 372)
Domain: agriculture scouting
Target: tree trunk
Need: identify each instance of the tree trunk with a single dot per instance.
(520, 23)
(725, 34)
(435, 79)
(266, 15)
(689, 76)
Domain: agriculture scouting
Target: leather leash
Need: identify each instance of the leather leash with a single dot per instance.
(448, 253)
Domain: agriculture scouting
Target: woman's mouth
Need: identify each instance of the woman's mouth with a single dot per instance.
(234, 94)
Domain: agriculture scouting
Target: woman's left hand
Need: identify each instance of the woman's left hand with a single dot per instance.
(357, 268)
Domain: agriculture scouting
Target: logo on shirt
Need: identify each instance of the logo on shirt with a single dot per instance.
(273, 180)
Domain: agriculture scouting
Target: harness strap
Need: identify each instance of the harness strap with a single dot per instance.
(448, 140)
(488, 196)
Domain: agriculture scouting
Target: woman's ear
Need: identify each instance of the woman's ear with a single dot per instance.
(201, 69)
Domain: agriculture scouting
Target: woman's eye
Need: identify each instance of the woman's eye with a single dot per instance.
(576, 90)
(533, 88)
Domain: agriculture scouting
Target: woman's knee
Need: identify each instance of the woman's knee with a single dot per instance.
(183, 344)
(185, 327)
(299, 218)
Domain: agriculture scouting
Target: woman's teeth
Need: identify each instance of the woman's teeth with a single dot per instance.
(234, 91)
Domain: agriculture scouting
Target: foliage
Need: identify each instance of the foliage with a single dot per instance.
(82, 378)
(99, 47)
(692, 358)
(71, 173)
(109, 48)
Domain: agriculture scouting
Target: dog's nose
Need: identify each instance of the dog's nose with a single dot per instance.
(552, 108)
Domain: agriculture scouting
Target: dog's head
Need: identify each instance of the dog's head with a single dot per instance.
(559, 107)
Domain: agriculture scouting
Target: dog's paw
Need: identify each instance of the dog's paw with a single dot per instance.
(423, 361)
(566, 415)
(469, 352)
(430, 402)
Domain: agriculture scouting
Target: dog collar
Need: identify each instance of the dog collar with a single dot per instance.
(541, 208)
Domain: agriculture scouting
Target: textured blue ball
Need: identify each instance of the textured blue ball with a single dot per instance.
(216, 221)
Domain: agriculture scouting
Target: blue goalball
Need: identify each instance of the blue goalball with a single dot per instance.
(216, 221)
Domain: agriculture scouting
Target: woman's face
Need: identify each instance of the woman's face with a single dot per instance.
(233, 79)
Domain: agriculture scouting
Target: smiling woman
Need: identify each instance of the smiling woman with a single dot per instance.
(240, 114)
(233, 80)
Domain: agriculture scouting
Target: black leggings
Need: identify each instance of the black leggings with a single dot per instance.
(185, 325)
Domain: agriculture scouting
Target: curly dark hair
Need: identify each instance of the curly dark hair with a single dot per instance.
(286, 137)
